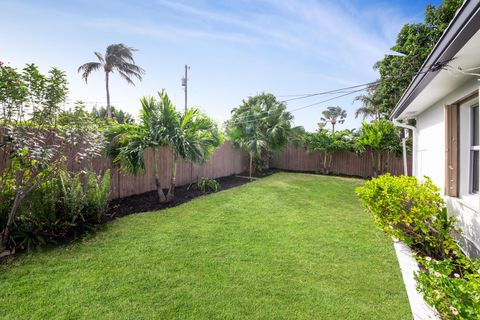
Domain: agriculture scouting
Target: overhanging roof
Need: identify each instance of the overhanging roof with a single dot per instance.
(463, 26)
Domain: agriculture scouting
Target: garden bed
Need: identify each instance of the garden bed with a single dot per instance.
(148, 201)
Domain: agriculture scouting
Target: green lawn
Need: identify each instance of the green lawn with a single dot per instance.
(289, 246)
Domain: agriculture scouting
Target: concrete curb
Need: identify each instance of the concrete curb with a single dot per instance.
(408, 266)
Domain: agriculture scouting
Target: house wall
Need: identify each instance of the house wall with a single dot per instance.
(430, 161)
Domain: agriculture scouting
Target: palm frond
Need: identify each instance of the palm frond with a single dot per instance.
(87, 68)
(99, 57)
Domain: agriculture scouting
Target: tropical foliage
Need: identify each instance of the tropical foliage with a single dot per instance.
(415, 41)
(189, 135)
(378, 138)
(38, 141)
(415, 212)
(118, 58)
(262, 126)
(332, 115)
(370, 106)
(327, 142)
(118, 115)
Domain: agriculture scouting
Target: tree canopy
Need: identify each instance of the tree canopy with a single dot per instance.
(415, 41)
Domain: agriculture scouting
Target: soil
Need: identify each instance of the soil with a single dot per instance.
(149, 201)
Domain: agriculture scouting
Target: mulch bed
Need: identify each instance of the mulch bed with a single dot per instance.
(149, 201)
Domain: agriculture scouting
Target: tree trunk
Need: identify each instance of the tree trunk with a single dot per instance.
(333, 126)
(11, 217)
(109, 108)
(251, 166)
(173, 181)
(161, 195)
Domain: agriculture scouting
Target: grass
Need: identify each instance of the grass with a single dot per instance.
(289, 246)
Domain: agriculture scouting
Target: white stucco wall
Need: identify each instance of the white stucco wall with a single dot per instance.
(430, 161)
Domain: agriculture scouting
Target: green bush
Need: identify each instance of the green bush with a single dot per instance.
(453, 290)
(96, 194)
(63, 207)
(206, 185)
(415, 213)
(411, 211)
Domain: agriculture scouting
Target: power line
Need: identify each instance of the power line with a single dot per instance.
(303, 96)
(297, 109)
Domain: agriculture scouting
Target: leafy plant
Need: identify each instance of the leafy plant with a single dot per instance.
(261, 126)
(415, 41)
(415, 213)
(72, 196)
(36, 144)
(453, 289)
(190, 135)
(378, 138)
(412, 211)
(327, 142)
(208, 185)
(97, 191)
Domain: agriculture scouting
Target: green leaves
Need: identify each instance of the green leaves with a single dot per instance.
(416, 41)
(412, 211)
(333, 115)
(191, 135)
(380, 135)
(261, 126)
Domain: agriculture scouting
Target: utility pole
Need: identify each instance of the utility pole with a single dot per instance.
(185, 84)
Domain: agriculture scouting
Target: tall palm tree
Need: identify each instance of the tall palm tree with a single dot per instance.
(370, 108)
(334, 115)
(118, 57)
(190, 135)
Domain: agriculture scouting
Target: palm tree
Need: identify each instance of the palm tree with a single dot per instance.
(334, 115)
(370, 108)
(261, 126)
(118, 57)
(190, 135)
(248, 137)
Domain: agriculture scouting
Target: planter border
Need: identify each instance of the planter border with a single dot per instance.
(408, 267)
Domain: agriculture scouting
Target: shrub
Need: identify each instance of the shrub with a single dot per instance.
(415, 213)
(411, 211)
(453, 289)
(60, 208)
(96, 194)
(207, 185)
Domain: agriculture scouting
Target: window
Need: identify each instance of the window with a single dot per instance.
(474, 150)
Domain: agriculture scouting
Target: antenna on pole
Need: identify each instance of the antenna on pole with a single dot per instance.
(185, 84)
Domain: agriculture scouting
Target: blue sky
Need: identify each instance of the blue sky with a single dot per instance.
(235, 48)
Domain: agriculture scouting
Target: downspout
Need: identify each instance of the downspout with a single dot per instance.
(414, 151)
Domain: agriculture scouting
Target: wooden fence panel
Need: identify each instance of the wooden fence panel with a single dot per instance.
(225, 160)
(343, 162)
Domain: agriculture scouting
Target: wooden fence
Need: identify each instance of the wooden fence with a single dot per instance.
(344, 163)
(226, 160)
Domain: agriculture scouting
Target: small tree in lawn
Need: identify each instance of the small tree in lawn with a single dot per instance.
(333, 115)
(379, 137)
(189, 135)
